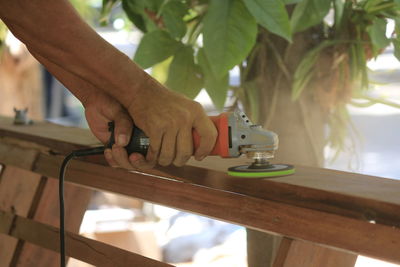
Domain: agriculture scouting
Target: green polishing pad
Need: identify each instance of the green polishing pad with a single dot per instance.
(271, 170)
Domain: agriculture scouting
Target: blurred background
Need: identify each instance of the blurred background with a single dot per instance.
(371, 147)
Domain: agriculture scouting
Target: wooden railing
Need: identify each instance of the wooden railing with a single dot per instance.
(343, 212)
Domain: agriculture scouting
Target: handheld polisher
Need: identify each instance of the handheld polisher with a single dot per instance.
(236, 136)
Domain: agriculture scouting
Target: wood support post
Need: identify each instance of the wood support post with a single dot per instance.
(302, 253)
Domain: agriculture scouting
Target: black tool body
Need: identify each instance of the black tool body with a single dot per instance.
(139, 142)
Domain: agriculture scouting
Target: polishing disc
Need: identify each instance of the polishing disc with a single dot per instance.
(271, 170)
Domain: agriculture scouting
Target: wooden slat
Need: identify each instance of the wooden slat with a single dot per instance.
(343, 193)
(12, 154)
(302, 253)
(323, 206)
(59, 138)
(21, 191)
(358, 236)
(79, 247)
(348, 194)
(337, 203)
(18, 194)
(77, 199)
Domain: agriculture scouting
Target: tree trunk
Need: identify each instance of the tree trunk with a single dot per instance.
(299, 125)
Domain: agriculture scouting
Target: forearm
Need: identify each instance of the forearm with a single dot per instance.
(55, 31)
(80, 88)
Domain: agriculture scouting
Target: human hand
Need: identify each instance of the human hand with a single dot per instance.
(168, 119)
(100, 109)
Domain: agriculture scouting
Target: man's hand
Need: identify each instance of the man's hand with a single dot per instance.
(84, 62)
(169, 127)
(168, 119)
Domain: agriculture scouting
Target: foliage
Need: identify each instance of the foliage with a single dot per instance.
(358, 34)
(221, 34)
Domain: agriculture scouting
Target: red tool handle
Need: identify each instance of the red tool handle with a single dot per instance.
(221, 147)
(139, 142)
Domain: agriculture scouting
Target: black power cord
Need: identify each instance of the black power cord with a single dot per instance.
(74, 154)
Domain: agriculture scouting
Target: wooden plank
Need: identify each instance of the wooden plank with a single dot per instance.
(11, 153)
(76, 201)
(342, 204)
(349, 194)
(18, 190)
(282, 252)
(355, 235)
(307, 200)
(59, 138)
(302, 253)
(79, 247)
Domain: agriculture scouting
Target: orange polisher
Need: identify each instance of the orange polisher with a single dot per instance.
(236, 136)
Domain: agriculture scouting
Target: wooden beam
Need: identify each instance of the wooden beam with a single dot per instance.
(19, 190)
(354, 235)
(349, 211)
(79, 247)
(347, 194)
(302, 253)
(77, 199)
(56, 137)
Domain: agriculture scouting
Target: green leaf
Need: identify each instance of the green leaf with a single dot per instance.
(135, 12)
(339, 8)
(106, 7)
(229, 34)
(160, 70)
(153, 5)
(272, 15)
(217, 88)
(309, 13)
(371, 4)
(184, 75)
(173, 13)
(290, 2)
(155, 47)
(305, 70)
(377, 33)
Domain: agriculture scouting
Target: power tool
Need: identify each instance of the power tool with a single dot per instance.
(237, 135)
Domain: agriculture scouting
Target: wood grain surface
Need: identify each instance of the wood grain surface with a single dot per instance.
(349, 211)
(302, 253)
(79, 247)
(18, 195)
(352, 234)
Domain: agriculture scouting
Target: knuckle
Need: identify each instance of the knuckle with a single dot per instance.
(213, 133)
(197, 106)
(163, 127)
(185, 117)
(211, 137)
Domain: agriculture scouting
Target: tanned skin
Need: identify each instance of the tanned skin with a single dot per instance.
(110, 86)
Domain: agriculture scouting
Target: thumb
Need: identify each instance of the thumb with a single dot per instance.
(123, 128)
